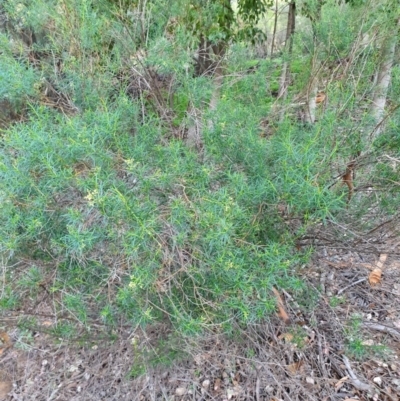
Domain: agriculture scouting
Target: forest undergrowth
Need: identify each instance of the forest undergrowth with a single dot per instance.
(167, 170)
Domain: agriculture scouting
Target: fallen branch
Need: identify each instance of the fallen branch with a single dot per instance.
(381, 327)
(351, 285)
(357, 383)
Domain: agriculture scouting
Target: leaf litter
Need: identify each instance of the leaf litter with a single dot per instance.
(299, 354)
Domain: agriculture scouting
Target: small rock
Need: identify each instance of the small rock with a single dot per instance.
(309, 380)
(180, 391)
(73, 368)
(378, 380)
(269, 389)
(206, 383)
(396, 382)
(44, 362)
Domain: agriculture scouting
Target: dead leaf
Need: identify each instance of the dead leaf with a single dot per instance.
(347, 178)
(5, 338)
(351, 399)
(282, 312)
(5, 388)
(217, 384)
(180, 391)
(320, 97)
(295, 368)
(6, 341)
(375, 276)
(286, 336)
(382, 260)
(340, 383)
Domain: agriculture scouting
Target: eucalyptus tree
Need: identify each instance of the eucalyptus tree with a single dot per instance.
(389, 17)
(384, 17)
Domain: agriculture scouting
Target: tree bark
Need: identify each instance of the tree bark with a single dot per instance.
(275, 27)
(311, 100)
(312, 88)
(382, 79)
(290, 29)
(291, 25)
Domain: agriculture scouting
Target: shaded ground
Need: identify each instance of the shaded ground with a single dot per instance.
(340, 345)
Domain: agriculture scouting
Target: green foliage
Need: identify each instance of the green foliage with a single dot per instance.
(17, 81)
(252, 10)
(357, 345)
(9, 299)
(336, 301)
(133, 225)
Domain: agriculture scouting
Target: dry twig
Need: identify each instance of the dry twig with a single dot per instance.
(357, 383)
(383, 328)
(351, 285)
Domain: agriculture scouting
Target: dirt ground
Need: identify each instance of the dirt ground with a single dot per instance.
(340, 345)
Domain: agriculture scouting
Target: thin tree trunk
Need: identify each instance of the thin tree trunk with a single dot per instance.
(275, 26)
(312, 88)
(290, 29)
(289, 46)
(311, 101)
(291, 25)
(383, 78)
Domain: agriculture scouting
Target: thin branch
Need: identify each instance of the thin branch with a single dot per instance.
(351, 285)
(357, 383)
(381, 327)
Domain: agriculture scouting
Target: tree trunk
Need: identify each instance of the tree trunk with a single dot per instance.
(275, 26)
(383, 78)
(311, 100)
(291, 24)
(312, 87)
(290, 29)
